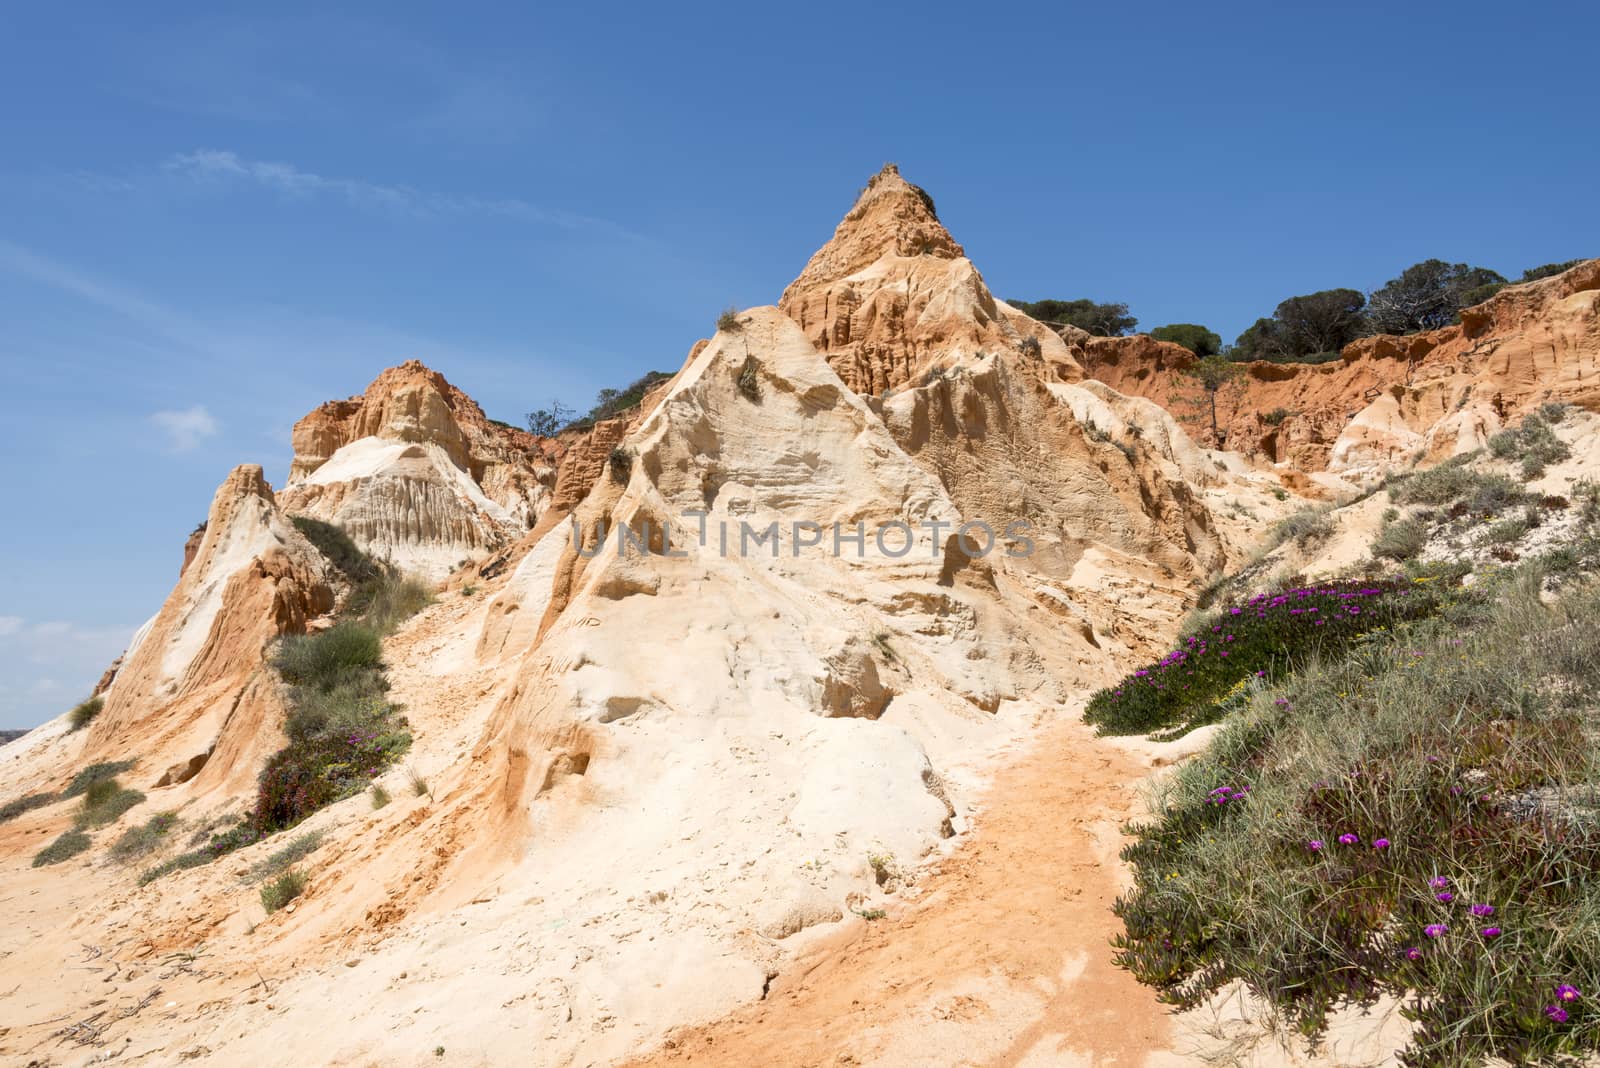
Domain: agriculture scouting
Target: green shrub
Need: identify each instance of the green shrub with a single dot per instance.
(104, 801)
(299, 848)
(387, 600)
(1401, 541)
(68, 845)
(329, 658)
(96, 773)
(1030, 347)
(334, 544)
(620, 462)
(1533, 443)
(81, 716)
(143, 840)
(1306, 528)
(380, 796)
(1225, 653)
(219, 845)
(1277, 416)
(12, 809)
(750, 378)
(728, 321)
(1410, 820)
(282, 890)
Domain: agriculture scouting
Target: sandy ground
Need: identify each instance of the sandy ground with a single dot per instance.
(1004, 959)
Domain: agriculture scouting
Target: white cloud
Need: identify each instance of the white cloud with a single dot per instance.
(186, 428)
(10, 625)
(217, 165)
(46, 666)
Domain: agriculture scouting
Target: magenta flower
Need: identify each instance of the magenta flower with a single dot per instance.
(1438, 882)
(1315, 845)
(1483, 910)
(1567, 992)
(1445, 896)
(1348, 839)
(1556, 1013)
(1434, 930)
(1490, 932)
(1413, 953)
(1380, 843)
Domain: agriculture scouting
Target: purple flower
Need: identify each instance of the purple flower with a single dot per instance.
(1413, 953)
(1444, 896)
(1381, 843)
(1348, 839)
(1315, 845)
(1567, 992)
(1556, 1013)
(1483, 910)
(1438, 882)
(1490, 932)
(1434, 930)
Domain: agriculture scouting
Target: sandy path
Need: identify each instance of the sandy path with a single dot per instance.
(1003, 961)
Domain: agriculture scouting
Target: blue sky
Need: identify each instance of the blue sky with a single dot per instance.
(213, 219)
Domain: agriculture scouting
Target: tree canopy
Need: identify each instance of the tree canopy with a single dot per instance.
(1426, 296)
(1101, 320)
(1192, 336)
(1304, 326)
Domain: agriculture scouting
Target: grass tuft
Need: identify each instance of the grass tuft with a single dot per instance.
(282, 890)
(65, 847)
(84, 714)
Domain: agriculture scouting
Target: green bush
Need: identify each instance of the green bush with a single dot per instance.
(1533, 443)
(81, 716)
(620, 462)
(329, 658)
(335, 545)
(387, 600)
(104, 801)
(12, 809)
(1192, 336)
(143, 840)
(1306, 528)
(219, 845)
(299, 848)
(1403, 540)
(96, 773)
(282, 890)
(68, 845)
(1414, 819)
(1256, 641)
(1277, 416)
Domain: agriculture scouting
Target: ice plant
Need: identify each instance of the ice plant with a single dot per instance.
(1556, 1013)
(1315, 845)
(1445, 896)
(1567, 992)
(1413, 953)
(1490, 932)
(1483, 910)
(1380, 843)
(1438, 882)
(1348, 839)
(1434, 930)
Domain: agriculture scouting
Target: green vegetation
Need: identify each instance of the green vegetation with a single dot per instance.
(337, 548)
(299, 848)
(1425, 296)
(96, 773)
(620, 463)
(12, 809)
(1192, 336)
(609, 403)
(1306, 329)
(104, 801)
(1306, 528)
(1548, 270)
(1413, 814)
(1277, 416)
(68, 845)
(1402, 540)
(1534, 443)
(141, 841)
(81, 716)
(750, 379)
(1101, 320)
(380, 796)
(282, 890)
(1215, 375)
(728, 321)
(1225, 654)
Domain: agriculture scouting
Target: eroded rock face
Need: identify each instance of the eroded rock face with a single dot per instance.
(191, 682)
(414, 472)
(893, 295)
(1390, 399)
